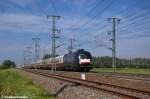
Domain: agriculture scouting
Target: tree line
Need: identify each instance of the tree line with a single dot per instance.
(106, 62)
(7, 64)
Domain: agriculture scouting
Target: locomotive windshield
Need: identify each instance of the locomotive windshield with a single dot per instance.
(83, 56)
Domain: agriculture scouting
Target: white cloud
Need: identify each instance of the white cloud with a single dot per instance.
(20, 2)
(22, 23)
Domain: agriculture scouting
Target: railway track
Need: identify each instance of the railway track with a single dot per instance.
(130, 81)
(143, 77)
(112, 89)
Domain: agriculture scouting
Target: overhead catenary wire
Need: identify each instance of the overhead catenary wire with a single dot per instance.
(135, 13)
(98, 13)
(87, 23)
(126, 10)
(53, 6)
(39, 7)
(135, 35)
(103, 11)
(134, 17)
(137, 28)
(90, 11)
(144, 20)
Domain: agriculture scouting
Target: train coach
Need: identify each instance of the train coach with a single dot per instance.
(79, 60)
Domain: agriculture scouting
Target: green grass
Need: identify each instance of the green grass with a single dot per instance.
(123, 70)
(14, 84)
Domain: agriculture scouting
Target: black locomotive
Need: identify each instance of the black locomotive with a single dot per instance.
(79, 60)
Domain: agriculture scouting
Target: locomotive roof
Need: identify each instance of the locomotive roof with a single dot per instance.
(60, 56)
(78, 52)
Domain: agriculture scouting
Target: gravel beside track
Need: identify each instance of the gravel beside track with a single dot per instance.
(65, 90)
(81, 92)
(120, 80)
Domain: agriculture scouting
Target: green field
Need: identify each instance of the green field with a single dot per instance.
(14, 84)
(123, 70)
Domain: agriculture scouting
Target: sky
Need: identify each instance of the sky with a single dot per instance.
(84, 20)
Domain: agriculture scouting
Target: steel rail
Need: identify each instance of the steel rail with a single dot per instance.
(126, 76)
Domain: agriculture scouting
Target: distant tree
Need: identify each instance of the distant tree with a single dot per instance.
(8, 64)
(1, 66)
(13, 64)
(106, 61)
(46, 56)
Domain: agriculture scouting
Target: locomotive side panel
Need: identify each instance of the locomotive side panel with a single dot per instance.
(69, 58)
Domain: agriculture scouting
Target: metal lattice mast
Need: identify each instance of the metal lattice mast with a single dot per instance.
(37, 49)
(24, 58)
(54, 30)
(28, 55)
(70, 48)
(114, 20)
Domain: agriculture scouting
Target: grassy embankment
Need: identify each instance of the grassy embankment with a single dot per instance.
(123, 70)
(14, 84)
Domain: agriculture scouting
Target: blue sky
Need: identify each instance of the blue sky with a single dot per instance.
(84, 20)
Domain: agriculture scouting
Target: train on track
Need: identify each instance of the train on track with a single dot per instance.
(79, 60)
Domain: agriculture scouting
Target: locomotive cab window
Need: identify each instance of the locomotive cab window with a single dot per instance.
(82, 56)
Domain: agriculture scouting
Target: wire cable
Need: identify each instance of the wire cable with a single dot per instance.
(41, 10)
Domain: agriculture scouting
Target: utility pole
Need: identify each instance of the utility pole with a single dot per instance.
(54, 30)
(24, 58)
(28, 49)
(114, 20)
(70, 48)
(44, 53)
(37, 49)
